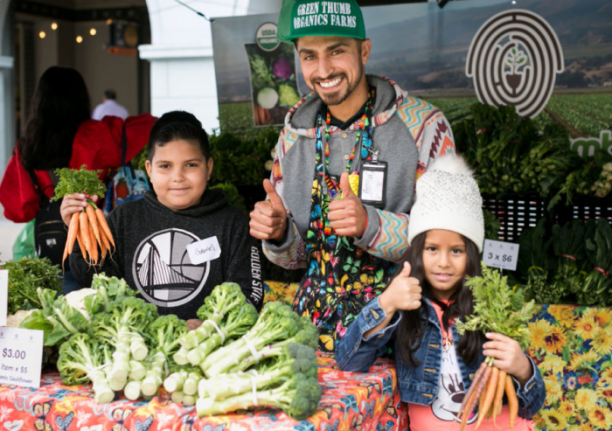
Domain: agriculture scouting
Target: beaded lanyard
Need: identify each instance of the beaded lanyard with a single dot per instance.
(365, 129)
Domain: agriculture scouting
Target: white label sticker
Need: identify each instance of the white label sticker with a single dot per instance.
(3, 296)
(204, 251)
(503, 255)
(21, 356)
(373, 185)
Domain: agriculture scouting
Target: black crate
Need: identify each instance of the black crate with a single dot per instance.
(585, 208)
(515, 213)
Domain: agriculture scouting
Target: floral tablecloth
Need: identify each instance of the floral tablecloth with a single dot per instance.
(351, 401)
(572, 347)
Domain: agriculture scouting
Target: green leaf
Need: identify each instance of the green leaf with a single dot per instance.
(566, 354)
(78, 181)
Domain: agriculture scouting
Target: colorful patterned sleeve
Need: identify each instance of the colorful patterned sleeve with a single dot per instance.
(291, 253)
(390, 243)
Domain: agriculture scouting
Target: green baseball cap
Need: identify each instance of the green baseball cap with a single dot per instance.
(300, 18)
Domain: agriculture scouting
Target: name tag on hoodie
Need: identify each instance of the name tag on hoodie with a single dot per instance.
(204, 251)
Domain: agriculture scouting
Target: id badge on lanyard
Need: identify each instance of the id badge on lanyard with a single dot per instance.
(373, 183)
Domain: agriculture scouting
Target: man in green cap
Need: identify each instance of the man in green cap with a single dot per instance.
(345, 168)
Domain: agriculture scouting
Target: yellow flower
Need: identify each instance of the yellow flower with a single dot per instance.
(578, 360)
(539, 330)
(566, 408)
(562, 314)
(585, 398)
(555, 341)
(553, 364)
(553, 420)
(607, 373)
(585, 327)
(602, 341)
(604, 389)
(603, 318)
(600, 417)
(553, 389)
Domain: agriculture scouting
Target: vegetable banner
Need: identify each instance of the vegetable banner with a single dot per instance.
(350, 401)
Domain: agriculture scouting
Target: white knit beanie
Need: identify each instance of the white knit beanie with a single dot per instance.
(448, 198)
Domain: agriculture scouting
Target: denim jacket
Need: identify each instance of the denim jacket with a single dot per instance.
(419, 385)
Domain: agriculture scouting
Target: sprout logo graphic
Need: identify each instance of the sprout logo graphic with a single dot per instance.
(514, 60)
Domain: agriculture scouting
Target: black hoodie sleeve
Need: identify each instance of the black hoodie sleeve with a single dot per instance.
(243, 262)
(83, 273)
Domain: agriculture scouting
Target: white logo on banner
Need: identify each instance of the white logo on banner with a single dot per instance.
(514, 59)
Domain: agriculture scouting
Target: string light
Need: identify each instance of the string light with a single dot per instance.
(79, 39)
(109, 21)
(42, 34)
(92, 31)
(54, 26)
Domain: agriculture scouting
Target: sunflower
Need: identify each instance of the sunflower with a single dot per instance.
(539, 331)
(606, 374)
(585, 398)
(604, 389)
(578, 360)
(553, 364)
(555, 341)
(602, 341)
(554, 390)
(600, 417)
(562, 314)
(586, 327)
(553, 420)
(603, 318)
(567, 408)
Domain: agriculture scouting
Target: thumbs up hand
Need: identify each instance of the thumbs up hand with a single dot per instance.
(347, 216)
(269, 218)
(404, 293)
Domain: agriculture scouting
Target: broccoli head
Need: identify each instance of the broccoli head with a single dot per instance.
(221, 301)
(300, 397)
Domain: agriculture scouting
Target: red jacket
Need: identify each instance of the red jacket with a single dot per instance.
(96, 144)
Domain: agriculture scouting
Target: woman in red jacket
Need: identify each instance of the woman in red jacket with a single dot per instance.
(59, 134)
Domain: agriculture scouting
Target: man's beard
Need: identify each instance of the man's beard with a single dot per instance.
(338, 97)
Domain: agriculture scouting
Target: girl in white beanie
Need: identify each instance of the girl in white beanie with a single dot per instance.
(418, 310)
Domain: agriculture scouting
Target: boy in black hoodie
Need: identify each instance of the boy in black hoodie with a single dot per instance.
(180, 241)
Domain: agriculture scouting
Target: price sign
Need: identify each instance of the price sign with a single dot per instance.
(3, 296)
(502, 255)
(21, 356)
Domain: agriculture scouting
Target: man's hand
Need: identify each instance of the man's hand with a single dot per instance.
(347, 216)
(404, 293)
(269, 218)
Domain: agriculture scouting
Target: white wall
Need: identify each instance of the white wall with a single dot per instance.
(182, 67)
(6, 89)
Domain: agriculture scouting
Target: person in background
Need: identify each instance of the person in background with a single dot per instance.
(109, 106)
(418, 310)
(59, 134)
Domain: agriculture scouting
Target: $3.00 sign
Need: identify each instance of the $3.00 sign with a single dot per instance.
(20, 356)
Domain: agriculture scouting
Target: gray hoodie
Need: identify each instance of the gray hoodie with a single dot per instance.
(408, 132)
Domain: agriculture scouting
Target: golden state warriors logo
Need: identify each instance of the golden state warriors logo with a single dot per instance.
(514, 60)
(163, 271)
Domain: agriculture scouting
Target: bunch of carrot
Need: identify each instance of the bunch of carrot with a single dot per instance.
(488, 389)
(88, 227)
(501, 309)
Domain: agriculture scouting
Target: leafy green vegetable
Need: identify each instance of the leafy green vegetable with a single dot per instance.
(597, 288)
(78, 181)
(277, 323)
(295, 368)
(27, 275)
(82, 360)
(497, 308)
(56, 318)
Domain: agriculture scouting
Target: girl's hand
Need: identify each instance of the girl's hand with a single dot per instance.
(508, 356)
(404, 293)
(71, 204)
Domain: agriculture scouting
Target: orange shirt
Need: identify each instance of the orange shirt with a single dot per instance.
(440, 415)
